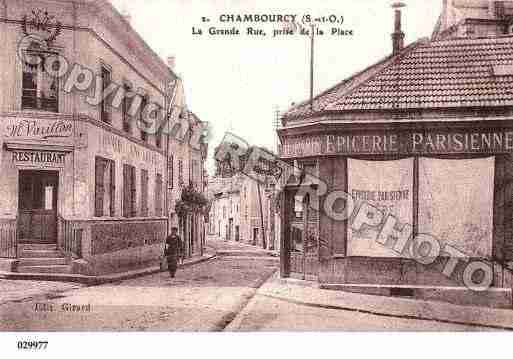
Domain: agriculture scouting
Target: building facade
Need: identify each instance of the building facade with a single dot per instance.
(416, 148)
(244, 210)
(83, 173)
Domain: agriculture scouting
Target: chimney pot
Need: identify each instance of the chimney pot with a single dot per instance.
(398, 34)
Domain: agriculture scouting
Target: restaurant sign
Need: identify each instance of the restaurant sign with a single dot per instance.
(407, 143)
(39, 158)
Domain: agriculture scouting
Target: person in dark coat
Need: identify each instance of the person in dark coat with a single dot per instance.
(173, 251)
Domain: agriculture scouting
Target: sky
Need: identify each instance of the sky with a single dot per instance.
(237, 83)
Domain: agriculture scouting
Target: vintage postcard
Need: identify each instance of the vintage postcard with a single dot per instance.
(255, 166)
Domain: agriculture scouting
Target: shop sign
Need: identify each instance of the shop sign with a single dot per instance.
(37, 129)
(405, 143)
(39, 158)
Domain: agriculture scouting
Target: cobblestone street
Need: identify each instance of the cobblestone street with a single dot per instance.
(231, 292)
(203, 297)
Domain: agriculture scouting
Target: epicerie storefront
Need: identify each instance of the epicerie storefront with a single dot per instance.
(450, 181)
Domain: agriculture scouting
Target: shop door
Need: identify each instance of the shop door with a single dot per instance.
(38, 206)
(302, 239)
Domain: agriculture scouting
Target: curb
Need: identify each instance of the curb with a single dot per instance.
(413, 309)
(96, 280)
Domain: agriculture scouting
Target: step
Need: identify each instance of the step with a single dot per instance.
(40, 254)
(57, 269)
(27, 262)
(37, 246)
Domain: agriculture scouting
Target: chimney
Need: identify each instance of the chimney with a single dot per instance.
(171, 62)
(398, 34)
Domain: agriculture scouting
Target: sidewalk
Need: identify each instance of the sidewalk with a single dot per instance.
(238, 249)
(102, 279)
(309, 294)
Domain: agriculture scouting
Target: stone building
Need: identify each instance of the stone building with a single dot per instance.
(237, 214)
(83, 153)
(420, 146)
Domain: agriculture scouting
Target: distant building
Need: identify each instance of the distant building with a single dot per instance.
(238, 215)
(425, 139)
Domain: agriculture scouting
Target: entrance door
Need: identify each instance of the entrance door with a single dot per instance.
(38, 206)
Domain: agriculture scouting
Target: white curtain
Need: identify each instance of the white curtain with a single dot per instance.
(456, 203)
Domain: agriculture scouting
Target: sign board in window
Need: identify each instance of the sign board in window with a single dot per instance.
(387, 185)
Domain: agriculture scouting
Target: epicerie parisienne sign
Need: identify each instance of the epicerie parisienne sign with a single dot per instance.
(400, 143)
(39, 158)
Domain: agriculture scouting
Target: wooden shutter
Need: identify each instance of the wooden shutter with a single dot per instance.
(112, 189)
(170, 173)
(133, 192)
(126, 192)
(158, 195)
(99, 189)
(144, 193)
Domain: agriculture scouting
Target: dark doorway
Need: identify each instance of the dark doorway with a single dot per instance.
(38, 206)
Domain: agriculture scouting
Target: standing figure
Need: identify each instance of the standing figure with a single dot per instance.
(173, 251)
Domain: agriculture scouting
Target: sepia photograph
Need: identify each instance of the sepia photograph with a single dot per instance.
(296, 167)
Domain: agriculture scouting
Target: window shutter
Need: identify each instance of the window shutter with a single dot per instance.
(144, 193)
(126, 192)
(170, 172)
(158, 195)
(133, 192)
(112, 189)
(99, 189)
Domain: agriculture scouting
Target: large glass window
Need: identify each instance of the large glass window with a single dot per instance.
(387, 185)
(456, 203)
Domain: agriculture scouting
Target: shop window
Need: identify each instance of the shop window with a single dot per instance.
(158, 195)
(106, 82)
(40, 90)
(105, 187)
(126, 104)
(388, 186)
(129, 192)
(144, 193)
(456, 203)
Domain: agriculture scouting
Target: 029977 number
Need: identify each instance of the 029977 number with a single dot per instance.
(32, 345)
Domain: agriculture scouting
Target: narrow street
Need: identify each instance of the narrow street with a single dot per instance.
(219, 294)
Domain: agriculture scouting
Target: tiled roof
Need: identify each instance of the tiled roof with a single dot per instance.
(437, 74)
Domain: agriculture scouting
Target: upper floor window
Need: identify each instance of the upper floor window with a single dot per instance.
(106, 81)
(125, 105)
(40, 90)
(144, 104)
